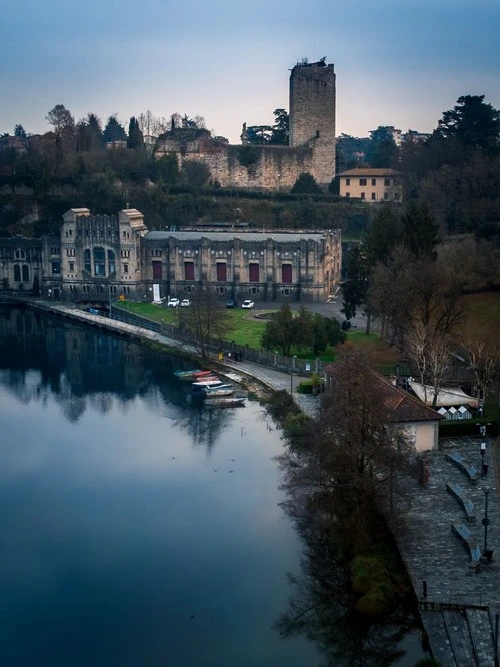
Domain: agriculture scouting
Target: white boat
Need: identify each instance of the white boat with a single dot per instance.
(222, 390)
(209, 382)
(224, 402)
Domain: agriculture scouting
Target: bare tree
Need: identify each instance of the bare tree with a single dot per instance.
(430, 351)
(206, 319)
(352, 460)
(482, 354)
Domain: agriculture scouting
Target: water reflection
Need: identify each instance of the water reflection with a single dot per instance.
(80, 368)
(323, 604)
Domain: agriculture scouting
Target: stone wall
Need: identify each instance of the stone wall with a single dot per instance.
(312, 140)
(312, 115)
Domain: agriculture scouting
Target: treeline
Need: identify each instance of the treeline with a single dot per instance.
(455, 172)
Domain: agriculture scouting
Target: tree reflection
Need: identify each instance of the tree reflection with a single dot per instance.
(323, 605)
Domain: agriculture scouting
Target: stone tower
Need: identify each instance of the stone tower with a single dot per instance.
(312, 115)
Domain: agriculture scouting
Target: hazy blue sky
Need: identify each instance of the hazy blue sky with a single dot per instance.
(398, 62)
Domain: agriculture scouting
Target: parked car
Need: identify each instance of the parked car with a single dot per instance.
(247, 304)
(185, 303)
(232, 303)
(173, 302)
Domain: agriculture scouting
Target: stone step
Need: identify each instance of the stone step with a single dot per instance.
(482, 636)
(460, 637)
(439, 640)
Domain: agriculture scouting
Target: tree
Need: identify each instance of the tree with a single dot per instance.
(382, 151)
(64, 129)
(325, 331)
(166, 168)
(61, 119)
(151, 126)
(384, 233)
(306, 184)
(420, 230)
(196, 173)
(206, 319)
(259, 134)
(135, 138)
(114, 131)
(473, 122)
(430, 351)
(354, 289)
(482, 354)
(281, 128)
(284, 330)
(19, 131)
(89, 133)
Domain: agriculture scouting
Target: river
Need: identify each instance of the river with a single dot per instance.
(137, 529)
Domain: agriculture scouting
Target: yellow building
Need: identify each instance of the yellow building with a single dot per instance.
(372, 185)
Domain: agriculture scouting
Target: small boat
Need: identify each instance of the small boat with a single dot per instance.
(200, 386)
(224, 402)
(186, 374)
(201, 374)
(208, 381)
(222, 390)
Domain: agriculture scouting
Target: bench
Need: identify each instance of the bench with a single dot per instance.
(465, 467)
(457, 491)
(464, 534)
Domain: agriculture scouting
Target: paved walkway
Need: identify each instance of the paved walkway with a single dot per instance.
(434, 555)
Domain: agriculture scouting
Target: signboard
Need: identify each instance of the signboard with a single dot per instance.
(156, 293)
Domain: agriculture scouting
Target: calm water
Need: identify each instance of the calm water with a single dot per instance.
(136, 529)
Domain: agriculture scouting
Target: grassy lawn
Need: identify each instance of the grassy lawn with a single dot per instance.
(149, 310)
(247, 330)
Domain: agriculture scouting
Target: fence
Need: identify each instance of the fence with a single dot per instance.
(228, 349)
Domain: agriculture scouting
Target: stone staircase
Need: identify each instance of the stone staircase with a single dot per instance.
(460, 637)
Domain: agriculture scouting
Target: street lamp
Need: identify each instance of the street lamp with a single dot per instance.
(487, 553)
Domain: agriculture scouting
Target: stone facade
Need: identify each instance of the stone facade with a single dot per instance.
(266, 267)
(21, 264)
(98, 258)
(312, 115)
(312, 140)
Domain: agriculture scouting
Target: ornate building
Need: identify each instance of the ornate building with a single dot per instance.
(98, 257)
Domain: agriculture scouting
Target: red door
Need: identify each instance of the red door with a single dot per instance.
(221, 272)
(188, 270)
(254, 273)
(286, 274)
(157, 271)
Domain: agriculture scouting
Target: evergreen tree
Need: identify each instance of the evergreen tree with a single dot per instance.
(420, 230)
(473, 122)
(306, 184)
(19, 131)
(382, 150)
(114, 131)
(135, 138)
(384, 233)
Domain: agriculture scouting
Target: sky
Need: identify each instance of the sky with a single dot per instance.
(398, 62)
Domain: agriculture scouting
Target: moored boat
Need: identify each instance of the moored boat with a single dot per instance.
(181, 375)
(224, 402)
(220, 390)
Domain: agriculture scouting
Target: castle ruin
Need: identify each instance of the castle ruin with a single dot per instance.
(271, 167)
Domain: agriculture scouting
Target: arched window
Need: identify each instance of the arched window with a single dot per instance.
(111, 262)
(17, 273)
(20, 254)
(26, 273)
(99, 261)
(87, 262)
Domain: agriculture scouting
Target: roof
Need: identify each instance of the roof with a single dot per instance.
(230, 236)
(400, 406)
(369, 171)
(447, 396)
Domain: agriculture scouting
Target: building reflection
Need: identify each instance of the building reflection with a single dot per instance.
(82, 367)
